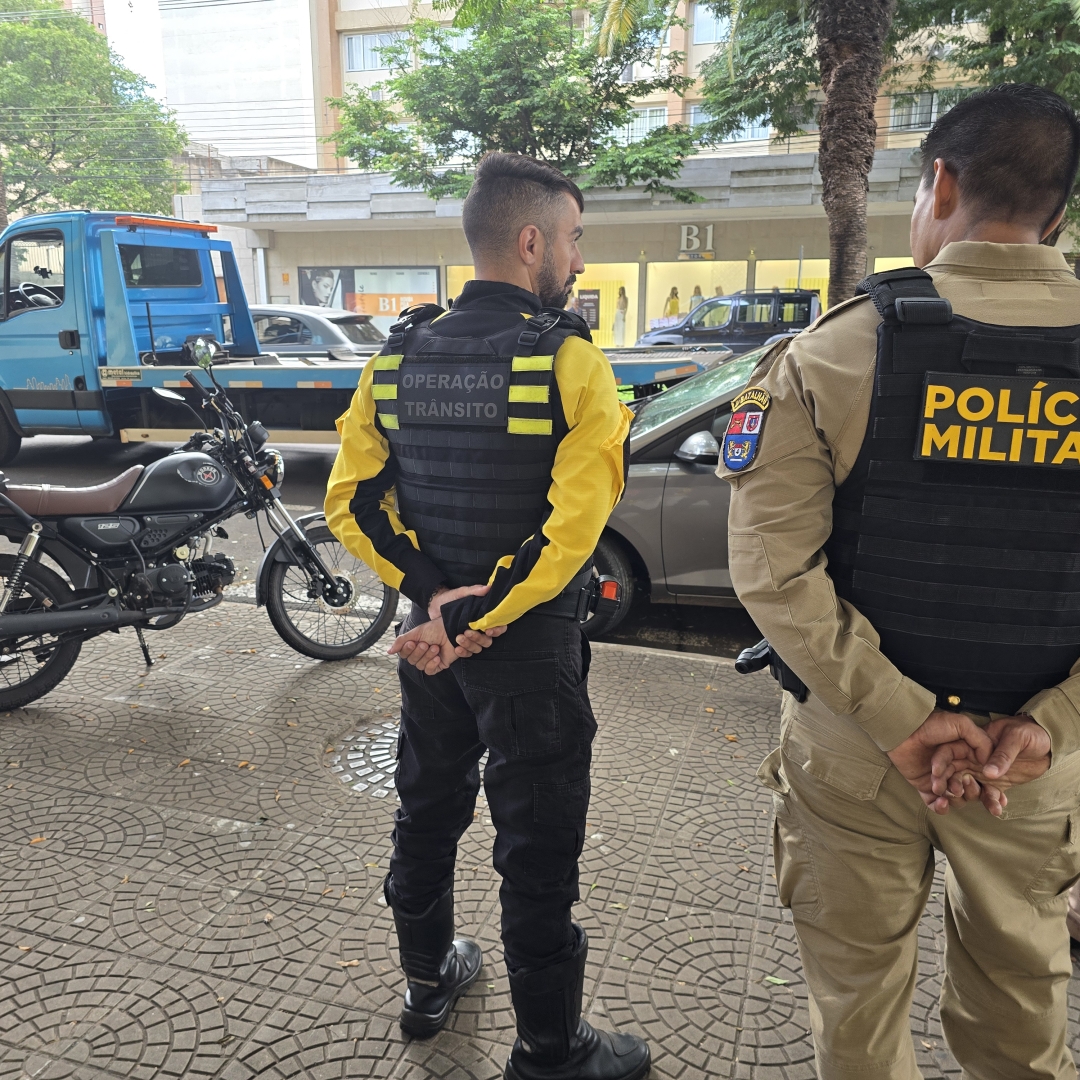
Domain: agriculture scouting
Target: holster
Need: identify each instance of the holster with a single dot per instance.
(764, 655)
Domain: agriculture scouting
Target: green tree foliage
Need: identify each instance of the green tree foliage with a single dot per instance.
(526, 80)
(77, 130)
(770, 69)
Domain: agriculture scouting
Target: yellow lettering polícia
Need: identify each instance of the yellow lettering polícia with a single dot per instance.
(1035, 403)
(969, 442)
(938, 397)
(985, 453)
(1070, 449)
(1052, 402)
(963, 403)
(1041, 438)
(1004, 416)
(947, 440)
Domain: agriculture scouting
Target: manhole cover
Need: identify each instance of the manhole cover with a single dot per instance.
(365, 760)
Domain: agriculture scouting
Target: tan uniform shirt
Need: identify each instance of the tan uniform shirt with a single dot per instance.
(781, 506)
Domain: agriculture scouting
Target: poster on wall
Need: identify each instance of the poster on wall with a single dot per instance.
(320, 286)
(382, 292)
(589, 307)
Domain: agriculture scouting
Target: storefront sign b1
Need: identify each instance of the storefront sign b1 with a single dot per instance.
(690, 238)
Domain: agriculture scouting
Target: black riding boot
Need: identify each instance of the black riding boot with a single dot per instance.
(554, 1042)
(439, 969)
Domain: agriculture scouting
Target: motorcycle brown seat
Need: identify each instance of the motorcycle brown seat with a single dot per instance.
(47, 500)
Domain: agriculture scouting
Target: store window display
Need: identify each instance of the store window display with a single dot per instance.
(693, 280)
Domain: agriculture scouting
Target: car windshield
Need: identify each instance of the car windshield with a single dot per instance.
(697, 390)
(359, 330)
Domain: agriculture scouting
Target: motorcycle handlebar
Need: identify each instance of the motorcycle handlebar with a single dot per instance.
(190, 377)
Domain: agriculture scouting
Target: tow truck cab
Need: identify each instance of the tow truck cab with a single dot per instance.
(86, 296)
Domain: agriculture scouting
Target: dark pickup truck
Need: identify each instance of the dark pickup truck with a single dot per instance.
(742, 321)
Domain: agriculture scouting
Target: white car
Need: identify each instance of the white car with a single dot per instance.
(314, 332)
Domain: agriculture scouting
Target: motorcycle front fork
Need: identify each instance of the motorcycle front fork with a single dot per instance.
(329, 583)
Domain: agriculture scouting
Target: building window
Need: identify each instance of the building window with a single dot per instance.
(914, 112)
(362, 51)
(710, 28)
(752, 129)
(642, 121)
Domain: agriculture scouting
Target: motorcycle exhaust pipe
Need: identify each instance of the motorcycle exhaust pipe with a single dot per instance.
(59, 622)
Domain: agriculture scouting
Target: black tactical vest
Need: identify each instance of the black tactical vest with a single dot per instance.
(957, 533)
(474, 423)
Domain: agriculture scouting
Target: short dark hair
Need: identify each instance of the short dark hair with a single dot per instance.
(1014, 150)
(509, 192)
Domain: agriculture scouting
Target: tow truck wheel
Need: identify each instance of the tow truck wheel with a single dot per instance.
(9, 442)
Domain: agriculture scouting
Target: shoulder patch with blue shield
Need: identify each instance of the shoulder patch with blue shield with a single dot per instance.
(744, 429)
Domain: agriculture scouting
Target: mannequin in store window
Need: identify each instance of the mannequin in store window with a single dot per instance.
(672, 305)
(622, 304)
(696, 298)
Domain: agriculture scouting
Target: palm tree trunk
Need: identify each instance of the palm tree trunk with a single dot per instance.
(851, 36)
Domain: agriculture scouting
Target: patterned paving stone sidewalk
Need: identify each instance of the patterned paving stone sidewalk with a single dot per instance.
(190, 862)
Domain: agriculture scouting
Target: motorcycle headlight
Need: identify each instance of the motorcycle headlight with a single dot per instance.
(274, 464)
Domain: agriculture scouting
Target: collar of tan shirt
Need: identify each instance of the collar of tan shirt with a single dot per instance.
(976, 258)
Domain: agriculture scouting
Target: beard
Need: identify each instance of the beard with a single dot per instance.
(552, 292)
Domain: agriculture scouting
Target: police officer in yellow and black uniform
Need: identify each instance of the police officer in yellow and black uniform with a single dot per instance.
(905, 529)
(479, 461)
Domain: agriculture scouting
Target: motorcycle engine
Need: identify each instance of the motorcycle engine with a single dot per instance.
(169, 583)
(212, 574)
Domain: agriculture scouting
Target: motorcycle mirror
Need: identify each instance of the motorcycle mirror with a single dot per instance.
(168, 395)
(204, 353)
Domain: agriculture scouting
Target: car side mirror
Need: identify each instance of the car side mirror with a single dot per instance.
(701, 448)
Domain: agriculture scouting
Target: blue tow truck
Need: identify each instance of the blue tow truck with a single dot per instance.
(99, 308)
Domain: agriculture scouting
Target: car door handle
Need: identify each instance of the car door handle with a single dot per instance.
(69, 339)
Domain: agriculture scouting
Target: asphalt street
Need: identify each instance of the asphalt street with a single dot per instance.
(77, 461)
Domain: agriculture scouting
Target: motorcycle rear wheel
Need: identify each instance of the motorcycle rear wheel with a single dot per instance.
(32, 666)
(312, 626)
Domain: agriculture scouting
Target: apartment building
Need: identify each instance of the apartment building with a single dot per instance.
(760, 224)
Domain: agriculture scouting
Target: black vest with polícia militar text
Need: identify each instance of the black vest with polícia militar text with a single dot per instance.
(957, 533)
(470, 406)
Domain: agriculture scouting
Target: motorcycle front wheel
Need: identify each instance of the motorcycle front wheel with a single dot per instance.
(309, 624)
(32, 666)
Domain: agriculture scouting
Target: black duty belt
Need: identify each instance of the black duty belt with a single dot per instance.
(573, 601)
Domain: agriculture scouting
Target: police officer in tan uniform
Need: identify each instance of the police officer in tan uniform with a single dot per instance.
(905, 529)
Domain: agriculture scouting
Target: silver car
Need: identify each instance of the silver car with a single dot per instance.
(315, 332)
(668, 535)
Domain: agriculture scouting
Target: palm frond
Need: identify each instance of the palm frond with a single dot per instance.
(618, 19)
(736, 11)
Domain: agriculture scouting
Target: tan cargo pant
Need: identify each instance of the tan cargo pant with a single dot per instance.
(854, 852)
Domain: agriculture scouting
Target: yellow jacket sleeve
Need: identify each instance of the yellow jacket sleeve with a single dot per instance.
(586, 482)
(359, 503)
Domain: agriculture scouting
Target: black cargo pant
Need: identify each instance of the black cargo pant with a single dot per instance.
(524, 699)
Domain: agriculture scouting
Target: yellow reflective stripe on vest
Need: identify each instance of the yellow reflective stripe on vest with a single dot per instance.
(384, 391)
(387, 363)
(538, 394)
(532, 363)
(389, 421)
(517, 425)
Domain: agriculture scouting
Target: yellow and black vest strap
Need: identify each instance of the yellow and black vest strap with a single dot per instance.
(384, 388)
(529, 407)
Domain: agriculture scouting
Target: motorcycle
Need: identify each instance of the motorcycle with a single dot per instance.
(137, 551)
